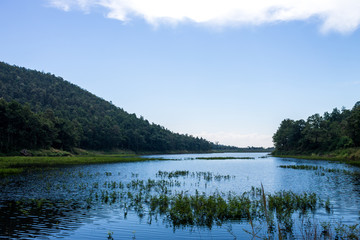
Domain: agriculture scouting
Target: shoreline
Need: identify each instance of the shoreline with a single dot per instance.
(349, 156)
(17, 164)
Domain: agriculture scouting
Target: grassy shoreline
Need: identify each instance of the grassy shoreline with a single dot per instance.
(13, 163)
(18, 164)
(349, 156)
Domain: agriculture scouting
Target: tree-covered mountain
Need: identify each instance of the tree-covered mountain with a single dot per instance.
(332, 131)
(39, 110)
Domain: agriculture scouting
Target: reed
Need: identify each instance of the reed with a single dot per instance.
(268, 214)
(320, 169)
(181, 209)
(18, 164)
(223, 158)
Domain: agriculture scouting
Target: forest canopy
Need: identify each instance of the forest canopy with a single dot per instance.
(40, 110)
(336, 130)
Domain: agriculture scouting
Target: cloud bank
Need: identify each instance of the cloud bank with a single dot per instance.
(334, 15)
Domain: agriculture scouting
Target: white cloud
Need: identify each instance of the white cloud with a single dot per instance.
(239, 140)
(336, 15)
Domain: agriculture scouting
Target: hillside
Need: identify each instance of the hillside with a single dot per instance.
(41, 110)
(332, 133)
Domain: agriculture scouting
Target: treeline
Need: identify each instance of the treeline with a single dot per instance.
(21, 128)
(332, 131)
(50, 111)
(223, 148)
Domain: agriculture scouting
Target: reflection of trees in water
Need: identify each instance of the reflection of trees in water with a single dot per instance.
(165, 199)
(356, 183)
(34, 218)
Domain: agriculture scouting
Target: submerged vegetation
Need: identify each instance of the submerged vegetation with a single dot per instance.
(18, 164)
(223, 158)
(165, 198)
(320, 169)
(176, 198)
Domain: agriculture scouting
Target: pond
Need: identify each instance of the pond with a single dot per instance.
(152, 199)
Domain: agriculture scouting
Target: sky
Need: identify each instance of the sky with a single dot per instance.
(228, 71)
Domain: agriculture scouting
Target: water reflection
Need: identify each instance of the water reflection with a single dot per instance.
(88, 201)
(31, 218)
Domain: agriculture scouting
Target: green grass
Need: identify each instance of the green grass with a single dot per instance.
(223, 158)
(300, 167)
(54, 158)
(9, 171)
(18, 164)
(349, 156)
(320, 169)
(157, 201)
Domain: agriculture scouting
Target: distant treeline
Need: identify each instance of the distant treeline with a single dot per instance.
(318, 134)
(220, 148)
(40, 110)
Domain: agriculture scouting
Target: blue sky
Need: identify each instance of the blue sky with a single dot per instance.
(228, 76)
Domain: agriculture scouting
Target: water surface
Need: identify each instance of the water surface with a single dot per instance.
(60, 203)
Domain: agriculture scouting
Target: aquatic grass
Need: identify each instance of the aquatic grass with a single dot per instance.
(288, 201)
(223, 158)
(173, 174)
(9, 164)
(269, 214)
(320, 169)
(183, 208)
(348, 231)
(349, 156)
(10, 171)
(300, 167)
(207, 176)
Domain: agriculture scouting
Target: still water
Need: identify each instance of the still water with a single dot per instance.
(76, 203)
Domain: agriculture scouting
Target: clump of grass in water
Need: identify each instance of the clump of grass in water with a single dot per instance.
(110, 235)
(9, 164)
(10, 171)
(173, 174)
(318, 168)
(223, 158)
(207, 176)
(184, 209)
(272, 212)
(300, 167)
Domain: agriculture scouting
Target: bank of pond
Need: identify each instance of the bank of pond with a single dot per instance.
(233, 196)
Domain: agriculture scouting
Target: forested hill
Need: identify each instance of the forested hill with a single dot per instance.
(40, 110)
(319, 134)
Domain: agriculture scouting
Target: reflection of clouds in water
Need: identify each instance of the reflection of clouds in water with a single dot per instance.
(237, 175)
(339, 186)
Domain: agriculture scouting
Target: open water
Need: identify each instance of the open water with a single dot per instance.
(70, 202)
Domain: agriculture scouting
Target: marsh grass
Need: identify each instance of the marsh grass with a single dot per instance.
(18, 164)
(182, 209)
(223, 158)
(319, 169)
(348, 155)
(270, 215)
(10, 171)
(207, 176)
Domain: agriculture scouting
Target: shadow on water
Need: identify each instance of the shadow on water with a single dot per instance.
(219, 197)
(34, 218)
